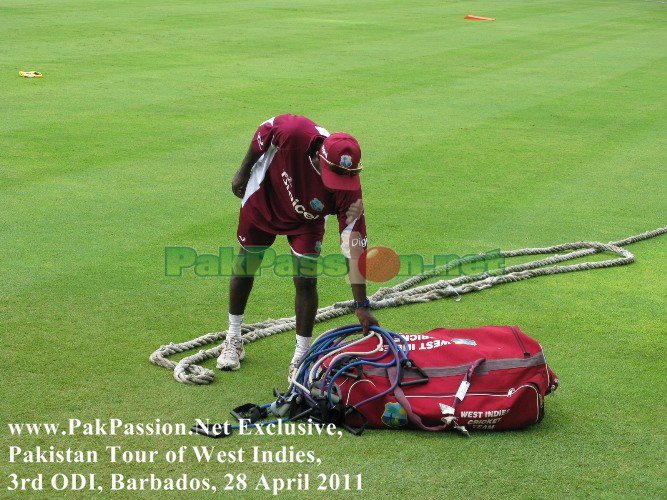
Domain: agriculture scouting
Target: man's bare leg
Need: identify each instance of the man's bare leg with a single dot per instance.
(305, 305)
(305, 308)
(240, 286)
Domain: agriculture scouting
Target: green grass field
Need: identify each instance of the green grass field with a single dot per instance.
(543, 127)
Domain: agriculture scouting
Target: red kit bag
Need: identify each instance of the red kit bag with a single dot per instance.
(489, 378)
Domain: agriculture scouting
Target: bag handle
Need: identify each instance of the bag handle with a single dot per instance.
(448, 418)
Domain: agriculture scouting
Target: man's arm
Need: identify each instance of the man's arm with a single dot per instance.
(357, 245)
(243, 174)
(260, 143)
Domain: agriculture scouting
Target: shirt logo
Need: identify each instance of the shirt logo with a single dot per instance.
(298, 208)
(359, 242)
(346, 161)
(317, 205)
(318, 246)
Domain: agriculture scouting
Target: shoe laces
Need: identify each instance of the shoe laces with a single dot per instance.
(231, 346)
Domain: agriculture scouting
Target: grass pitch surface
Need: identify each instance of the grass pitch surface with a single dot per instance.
(543, 127)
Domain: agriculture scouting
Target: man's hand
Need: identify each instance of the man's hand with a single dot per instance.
(366, 319)
(354, 212)
(239, 183)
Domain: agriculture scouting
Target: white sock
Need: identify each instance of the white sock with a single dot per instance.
(302, 345)
(234, 330)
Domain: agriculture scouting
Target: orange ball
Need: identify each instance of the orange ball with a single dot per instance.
(379, 264)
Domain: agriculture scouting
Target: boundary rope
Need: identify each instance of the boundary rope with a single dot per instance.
(189, 370)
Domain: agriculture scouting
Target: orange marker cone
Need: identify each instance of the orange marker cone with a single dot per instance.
(479, 18)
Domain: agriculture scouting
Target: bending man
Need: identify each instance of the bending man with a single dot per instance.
(293, 176)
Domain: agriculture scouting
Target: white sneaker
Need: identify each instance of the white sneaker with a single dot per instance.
(293, 368)
(232, 354)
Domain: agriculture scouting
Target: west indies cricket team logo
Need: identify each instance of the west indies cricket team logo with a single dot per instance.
(346, 161)
(317, 205)
(394, 415)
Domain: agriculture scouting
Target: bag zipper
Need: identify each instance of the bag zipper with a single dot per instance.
(526, 354)
(505, 394)
(510, 393)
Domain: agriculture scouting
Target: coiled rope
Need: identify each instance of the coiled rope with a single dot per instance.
(189, 371)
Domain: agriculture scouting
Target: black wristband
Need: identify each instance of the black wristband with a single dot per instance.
(362, 303)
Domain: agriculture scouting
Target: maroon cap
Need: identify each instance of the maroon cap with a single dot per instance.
(340, 159)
